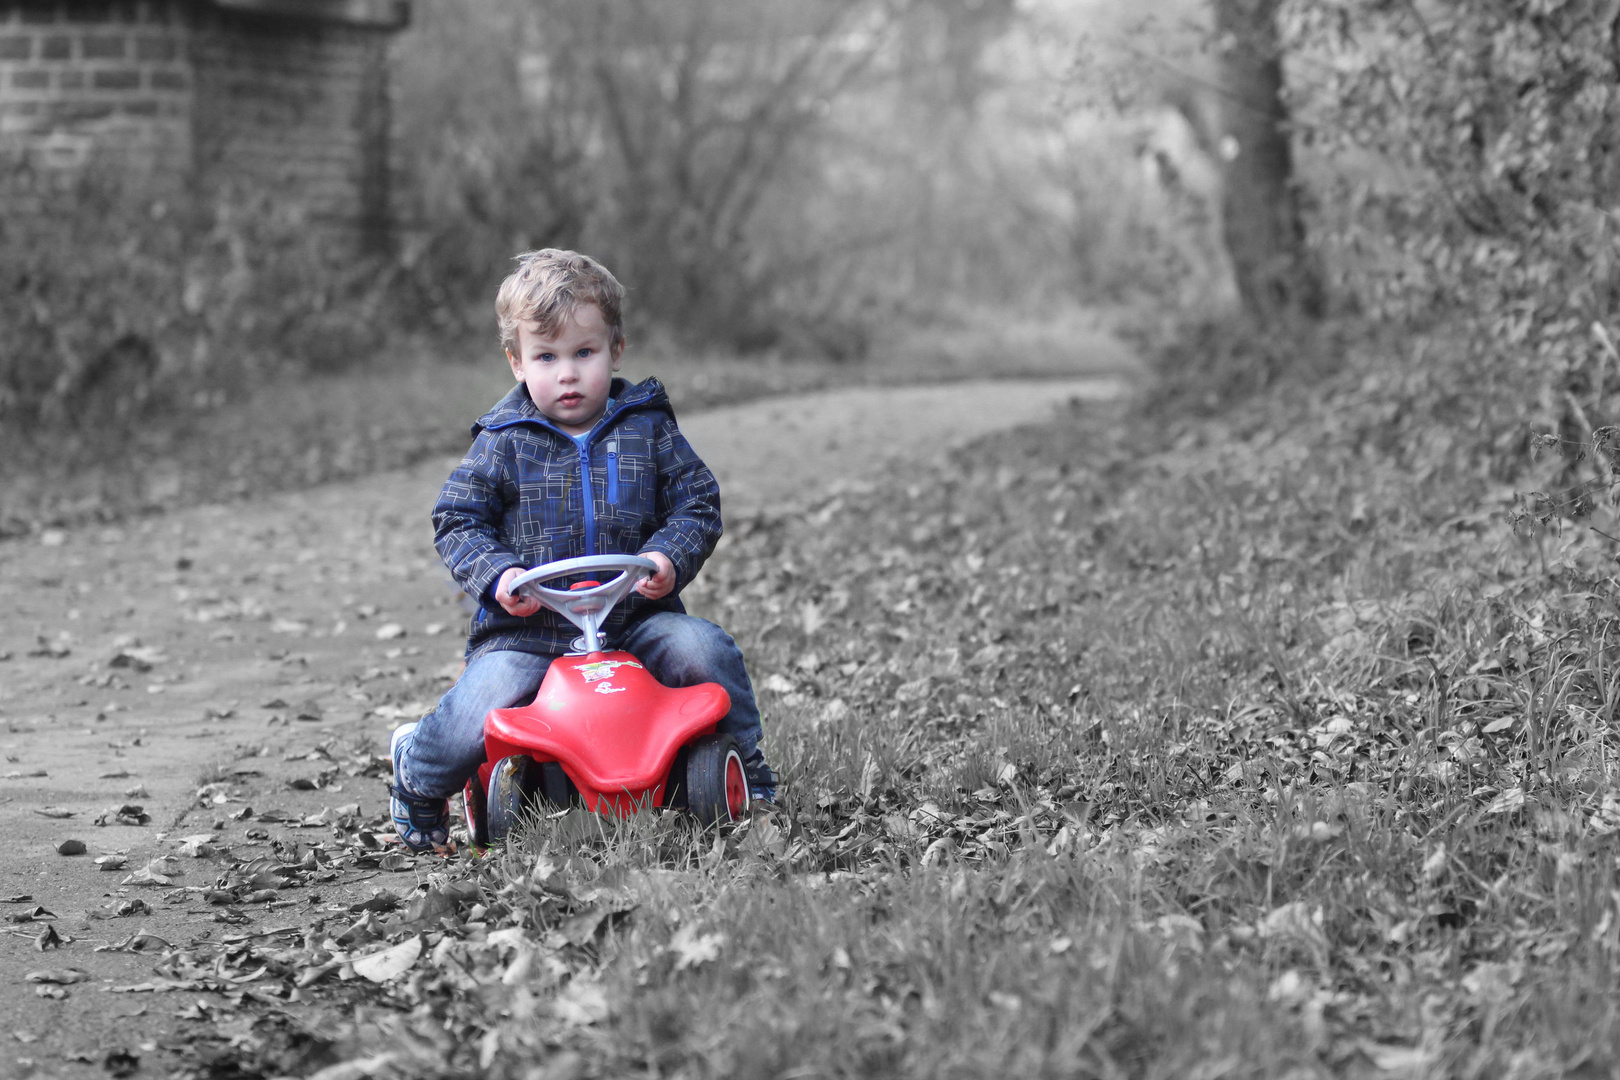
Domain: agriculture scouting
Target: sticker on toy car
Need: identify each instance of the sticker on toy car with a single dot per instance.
(609, 688)
(603, 669)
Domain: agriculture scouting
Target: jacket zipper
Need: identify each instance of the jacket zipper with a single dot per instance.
(589, 497)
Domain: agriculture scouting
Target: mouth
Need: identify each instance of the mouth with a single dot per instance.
(570, 399)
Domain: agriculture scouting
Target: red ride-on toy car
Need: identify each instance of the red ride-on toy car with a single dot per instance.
(602, 732)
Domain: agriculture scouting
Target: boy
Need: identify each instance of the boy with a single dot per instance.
(572, 462)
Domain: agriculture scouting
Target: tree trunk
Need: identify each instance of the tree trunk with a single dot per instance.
(1277, 278)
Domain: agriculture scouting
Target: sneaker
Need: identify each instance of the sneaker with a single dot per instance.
(761, 780)
(422, 824)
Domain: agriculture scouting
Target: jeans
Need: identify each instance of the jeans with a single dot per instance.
(679, 650)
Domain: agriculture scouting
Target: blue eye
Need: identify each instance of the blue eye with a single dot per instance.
(546, 358)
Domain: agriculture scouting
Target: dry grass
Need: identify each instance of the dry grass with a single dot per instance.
(1244, 753)
(1251, 746)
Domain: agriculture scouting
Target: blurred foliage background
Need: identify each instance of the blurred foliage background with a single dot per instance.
(848, 181)
(764, 176)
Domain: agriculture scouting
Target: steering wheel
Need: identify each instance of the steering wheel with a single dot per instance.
(588, 604)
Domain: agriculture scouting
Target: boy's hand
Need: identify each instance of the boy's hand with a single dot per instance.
(521, 606)
(660, 583)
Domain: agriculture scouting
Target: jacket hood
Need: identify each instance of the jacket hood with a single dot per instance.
(518, 408)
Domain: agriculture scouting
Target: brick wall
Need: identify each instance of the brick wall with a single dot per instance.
(229, 99)
(77, 77)
(296, 108)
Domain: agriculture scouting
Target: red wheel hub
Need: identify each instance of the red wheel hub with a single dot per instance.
(736, 786)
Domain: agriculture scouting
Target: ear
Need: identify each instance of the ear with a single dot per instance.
(618, 354)
(517, 365)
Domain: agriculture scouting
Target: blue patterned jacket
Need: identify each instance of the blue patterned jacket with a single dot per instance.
(517, 499)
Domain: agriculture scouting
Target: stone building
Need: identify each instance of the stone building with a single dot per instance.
(286, 99)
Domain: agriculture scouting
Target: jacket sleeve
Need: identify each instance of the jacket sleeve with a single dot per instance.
(467, 519)
(688, 505)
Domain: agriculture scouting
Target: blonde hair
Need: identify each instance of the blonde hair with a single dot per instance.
(548, 286)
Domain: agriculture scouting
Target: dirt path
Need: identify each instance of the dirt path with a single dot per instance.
(768, 453)
(204, 695)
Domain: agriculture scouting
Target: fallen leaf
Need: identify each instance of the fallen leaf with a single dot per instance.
(1409, 1060)
(124, 909)
(1507, 802)
(358, 1069)
(363, 930)
(1184, 930)
(53, 649)
(37, 914)
(692, 949)
(427, 909)
(128, 814)
(379, 967)
(939, 850)
(147, 876)
(381, 901)
(139, 941)
(1294, 922)
(121, 1063)
(165, 986)
(137, 659)
(59, 976)
(581, 1002)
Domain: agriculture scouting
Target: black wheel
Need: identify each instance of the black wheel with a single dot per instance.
(555, 788)
(513, 784)
(716, 785)
(475, 808)
(675, 783)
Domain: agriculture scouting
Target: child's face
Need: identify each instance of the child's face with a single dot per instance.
(569, 373)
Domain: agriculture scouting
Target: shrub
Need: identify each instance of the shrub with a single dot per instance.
(1469, 165)
(121, 300)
